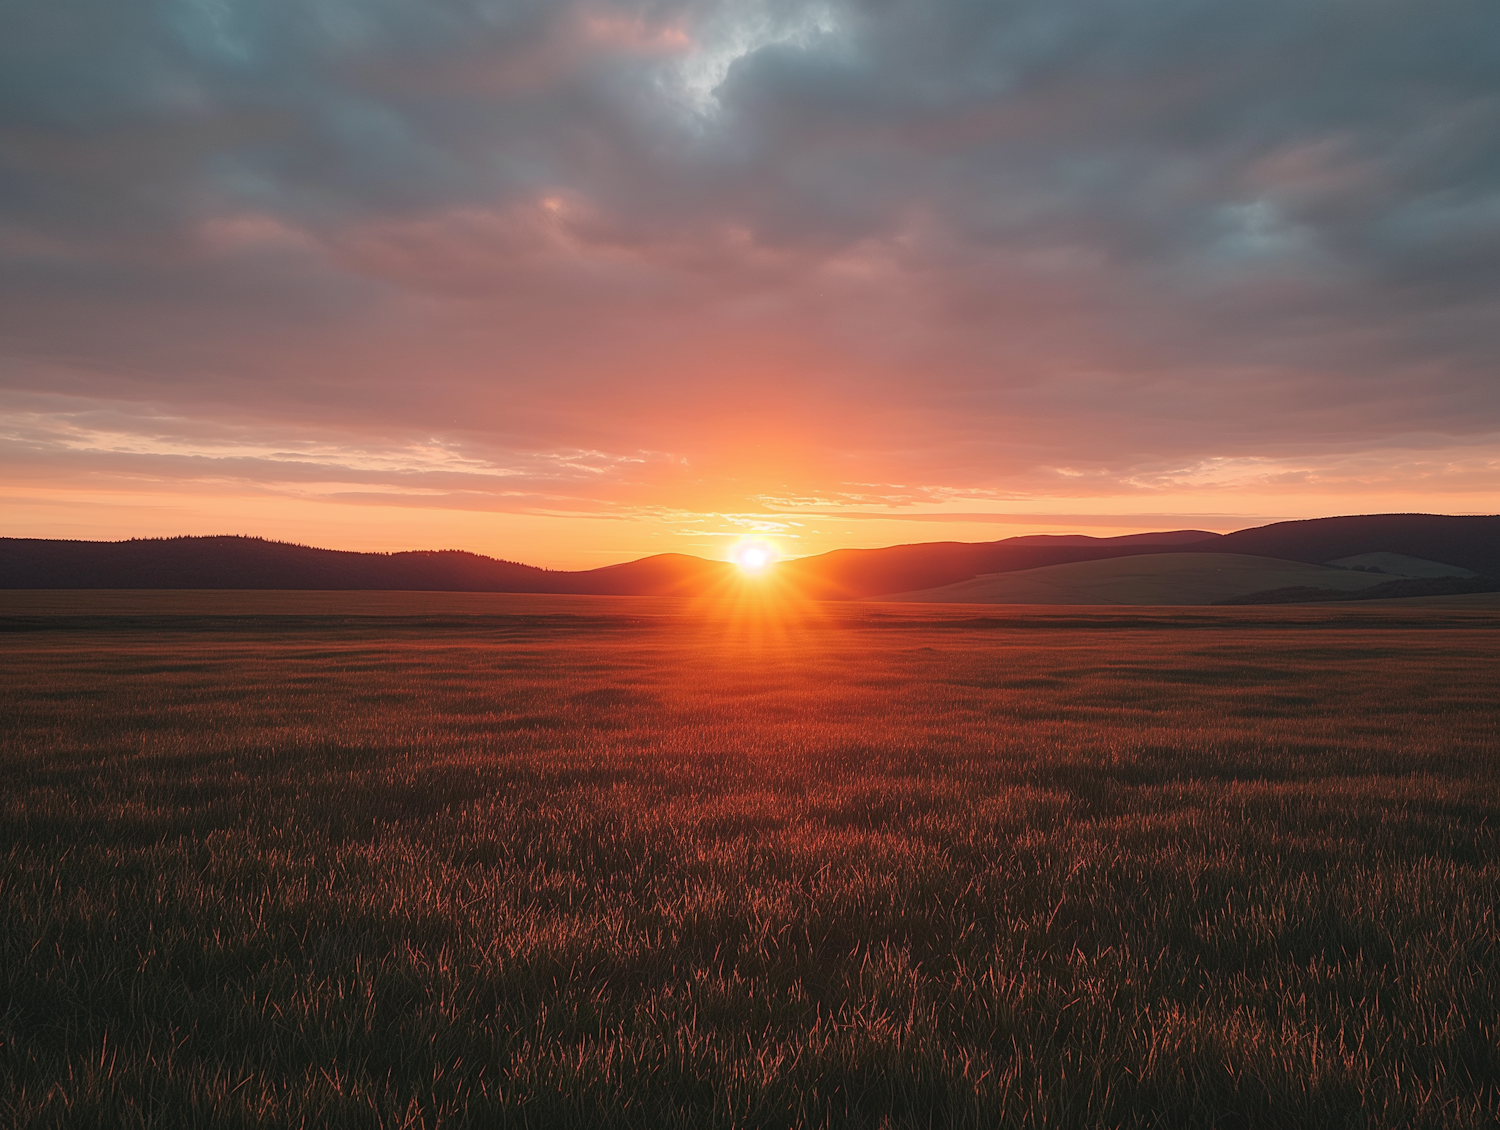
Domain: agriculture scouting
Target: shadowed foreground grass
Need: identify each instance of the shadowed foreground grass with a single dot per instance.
(610, 863)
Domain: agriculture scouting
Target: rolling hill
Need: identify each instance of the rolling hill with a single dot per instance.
(1157, 578)
(1472, 544)
(1400, 565)
(252, 563)
(858, 574)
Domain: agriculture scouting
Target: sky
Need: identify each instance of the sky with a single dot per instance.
(573, 283)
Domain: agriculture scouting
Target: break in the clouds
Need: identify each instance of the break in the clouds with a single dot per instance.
(683, 270)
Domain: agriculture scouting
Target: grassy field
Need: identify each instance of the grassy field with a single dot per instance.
(418, 860)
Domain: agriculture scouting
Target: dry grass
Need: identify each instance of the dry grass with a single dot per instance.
(613, 863)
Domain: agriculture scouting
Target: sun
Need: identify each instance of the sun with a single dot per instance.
(753, 556)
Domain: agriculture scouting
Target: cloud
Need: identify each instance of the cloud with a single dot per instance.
(794, 245)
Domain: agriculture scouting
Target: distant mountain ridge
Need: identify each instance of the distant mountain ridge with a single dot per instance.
(1470, 542)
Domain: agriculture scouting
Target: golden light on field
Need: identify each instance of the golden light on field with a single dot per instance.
(754, 556)
(759, 605)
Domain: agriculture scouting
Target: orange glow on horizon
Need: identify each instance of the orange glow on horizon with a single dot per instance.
(755, 610)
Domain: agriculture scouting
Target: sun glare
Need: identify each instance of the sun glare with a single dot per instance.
(753, 556)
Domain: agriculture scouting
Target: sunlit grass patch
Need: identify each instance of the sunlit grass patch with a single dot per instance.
(1078, 872)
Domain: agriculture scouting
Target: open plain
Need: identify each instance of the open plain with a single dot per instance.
(363, 859)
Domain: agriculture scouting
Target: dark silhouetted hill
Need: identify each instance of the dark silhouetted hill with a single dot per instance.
(1472, 542)
(852, 574)
(252, 563)
(665, 574)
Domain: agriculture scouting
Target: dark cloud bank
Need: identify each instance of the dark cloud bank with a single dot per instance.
(974, 246)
